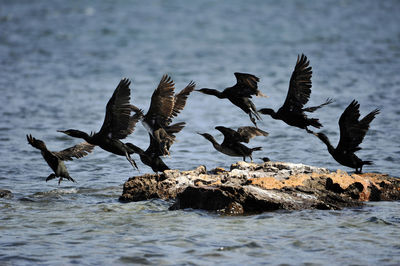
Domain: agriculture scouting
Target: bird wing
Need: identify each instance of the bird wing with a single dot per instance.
(117, 121)
(352, 131)
(246, 86)
(247, 133)
(78, 151)
(162, 101)
(230, 136)
(299, 86)
(132, 121)
(181, 97)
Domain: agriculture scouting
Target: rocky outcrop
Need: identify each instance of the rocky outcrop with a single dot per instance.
(4, 193)
(253, 188)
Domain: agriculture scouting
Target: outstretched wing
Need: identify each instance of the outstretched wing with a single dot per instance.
(247, 133)
(78, 151)
(162, 101)
(230, 135)
(352, 131)
(299, 86)
(246, 86)
(117, 122)
(181, 97)
(133, 120)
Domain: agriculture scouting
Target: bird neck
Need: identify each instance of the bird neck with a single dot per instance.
(213, 92)
(269, 111)
(81, 135)
(325, 140)
(134, 149)
(212, 140)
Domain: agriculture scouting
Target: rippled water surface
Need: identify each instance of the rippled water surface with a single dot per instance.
(60, 62)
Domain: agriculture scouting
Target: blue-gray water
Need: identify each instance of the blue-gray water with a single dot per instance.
(60, 62)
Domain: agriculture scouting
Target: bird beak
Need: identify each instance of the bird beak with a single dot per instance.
(62, 131)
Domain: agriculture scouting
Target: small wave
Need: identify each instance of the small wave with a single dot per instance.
(377, 220)
(55, 192)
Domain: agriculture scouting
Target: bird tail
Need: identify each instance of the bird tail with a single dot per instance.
(312, 109)
(68, 177)
(256, 149)
(314, 122)
(175, 128)
(367, 162)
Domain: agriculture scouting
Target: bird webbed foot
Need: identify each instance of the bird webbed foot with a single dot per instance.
(253, 120)
(50, 177)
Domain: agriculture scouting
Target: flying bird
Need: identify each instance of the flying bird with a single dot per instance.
(232, 145)
(56, 159)
(164, 106)
(292, 111)
(352, 133)
(118, 124)
(240, 94)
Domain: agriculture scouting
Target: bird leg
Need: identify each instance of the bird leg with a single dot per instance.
(133, 163)
(359, 171)
(253, 120)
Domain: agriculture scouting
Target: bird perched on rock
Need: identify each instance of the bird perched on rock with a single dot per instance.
(352, 133)
(292, 111)
(118, 124)
(232, 145)
(240, 94)
(56, 159)
(164, 106)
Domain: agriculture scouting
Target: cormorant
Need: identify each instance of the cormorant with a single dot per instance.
(292, 111)
(352, 132)
(163, 108)
(151, 156)
(117, 125)
(56, 159)
(231, 145)
(240, 94)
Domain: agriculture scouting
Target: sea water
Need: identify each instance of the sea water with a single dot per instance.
(60, 62)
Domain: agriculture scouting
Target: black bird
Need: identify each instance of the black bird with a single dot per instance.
(352, 132)
(163, 108)
(56, 159)
(231, 145)
(118, 124)
(240, 94)
(151, 156)
(292, 111)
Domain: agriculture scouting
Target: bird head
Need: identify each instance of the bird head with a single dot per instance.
(37, 143)
(206, 136)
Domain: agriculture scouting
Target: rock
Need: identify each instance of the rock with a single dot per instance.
(253, 188)
(5, 193)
